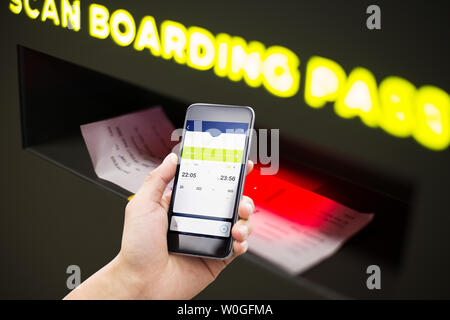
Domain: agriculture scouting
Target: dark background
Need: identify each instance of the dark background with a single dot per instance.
(51, 218)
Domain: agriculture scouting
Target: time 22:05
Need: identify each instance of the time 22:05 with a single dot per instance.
(185, 174)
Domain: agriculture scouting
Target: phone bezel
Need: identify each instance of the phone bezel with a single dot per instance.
(211, 112)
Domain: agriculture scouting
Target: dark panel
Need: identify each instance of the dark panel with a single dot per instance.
(51, 219)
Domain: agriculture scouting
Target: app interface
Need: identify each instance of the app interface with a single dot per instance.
(210, 168)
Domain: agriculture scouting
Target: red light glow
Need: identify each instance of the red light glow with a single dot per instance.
(290, 201)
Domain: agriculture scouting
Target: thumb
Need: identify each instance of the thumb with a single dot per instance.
(158, 179)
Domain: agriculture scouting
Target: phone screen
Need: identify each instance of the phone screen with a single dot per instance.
(210, 168)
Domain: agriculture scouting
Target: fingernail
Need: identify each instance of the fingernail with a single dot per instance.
(250, 208)
(172, 157)
(243, 230)
(244, 245)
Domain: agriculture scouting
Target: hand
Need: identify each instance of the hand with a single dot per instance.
(144, 269)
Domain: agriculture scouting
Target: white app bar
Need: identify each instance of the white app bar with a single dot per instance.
(200, 226)
(223, 141)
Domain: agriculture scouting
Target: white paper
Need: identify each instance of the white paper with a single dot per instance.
(125, 149)
(296, 245)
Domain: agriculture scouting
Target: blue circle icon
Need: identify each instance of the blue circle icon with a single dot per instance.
(224, 228)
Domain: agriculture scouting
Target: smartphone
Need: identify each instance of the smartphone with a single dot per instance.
(209, 180)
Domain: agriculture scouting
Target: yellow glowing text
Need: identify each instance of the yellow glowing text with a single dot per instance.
(202, 49)
(98, 21)
(70, 13)
(49, 12)
(396, 100)
(394, 105)
(324, 81)
(147, 36)
(359, 98)
(125, 36)
(174, 39)
(30, 12)
(15, 6)
(432, 109)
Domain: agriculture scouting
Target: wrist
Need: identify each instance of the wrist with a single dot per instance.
(112, 282)
(129, 283)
